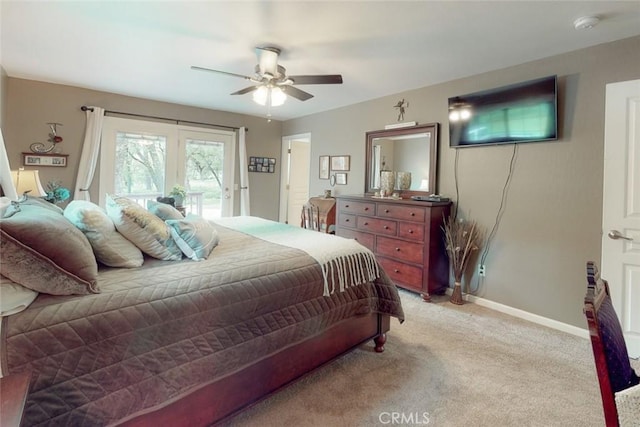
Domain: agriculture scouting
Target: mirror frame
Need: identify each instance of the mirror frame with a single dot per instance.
(433, 155)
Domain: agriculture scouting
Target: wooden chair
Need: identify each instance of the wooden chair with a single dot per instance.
(310, 217)
(607, 340)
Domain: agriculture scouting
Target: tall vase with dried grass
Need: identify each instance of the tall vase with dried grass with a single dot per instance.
(462, 237)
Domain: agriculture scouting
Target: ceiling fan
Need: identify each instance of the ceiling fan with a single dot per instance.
(271, 83)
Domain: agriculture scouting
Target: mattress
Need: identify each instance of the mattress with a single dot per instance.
(156, 332)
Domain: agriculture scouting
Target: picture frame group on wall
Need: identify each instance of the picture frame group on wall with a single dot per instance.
(262, 164)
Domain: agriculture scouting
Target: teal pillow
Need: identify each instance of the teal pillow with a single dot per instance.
(163, 210)
(195, 236)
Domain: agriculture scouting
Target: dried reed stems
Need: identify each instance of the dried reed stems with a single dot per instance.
(462, 237)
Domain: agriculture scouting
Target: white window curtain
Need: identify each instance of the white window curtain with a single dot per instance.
(245, 205)
(90, 151)
(6, 181)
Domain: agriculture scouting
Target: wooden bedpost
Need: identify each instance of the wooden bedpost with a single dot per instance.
(379, 341)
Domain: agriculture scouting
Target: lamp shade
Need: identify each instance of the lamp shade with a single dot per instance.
(28, 181)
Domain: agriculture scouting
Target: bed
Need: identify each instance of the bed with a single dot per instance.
(188, 342)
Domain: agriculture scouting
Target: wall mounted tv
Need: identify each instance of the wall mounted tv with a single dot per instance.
(522, 112)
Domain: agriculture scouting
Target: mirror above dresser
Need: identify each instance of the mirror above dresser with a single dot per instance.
(411, 153)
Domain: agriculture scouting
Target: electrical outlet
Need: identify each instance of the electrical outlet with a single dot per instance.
(482, 270)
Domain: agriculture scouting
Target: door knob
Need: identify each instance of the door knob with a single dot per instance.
(615, 235)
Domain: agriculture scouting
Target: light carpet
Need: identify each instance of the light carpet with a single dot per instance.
(447, 365)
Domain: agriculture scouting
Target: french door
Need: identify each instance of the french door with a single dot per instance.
(143, 160)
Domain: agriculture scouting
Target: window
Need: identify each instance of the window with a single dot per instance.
(143, 160)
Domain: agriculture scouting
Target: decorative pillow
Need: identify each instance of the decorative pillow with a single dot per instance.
(194, 235)
(42, 250)
(5, 202)
(145, 230)
(163, 210)
(14, 297)
(109, 246)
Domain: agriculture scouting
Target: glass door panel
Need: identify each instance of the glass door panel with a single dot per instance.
(208, 172)
(140, 165)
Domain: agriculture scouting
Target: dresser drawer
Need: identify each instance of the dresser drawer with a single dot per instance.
(350, 206)
(346, 220)
(365, 239)
(409, 213)
(411, 230)
(399, 249)
(402, 274)
(378, 226)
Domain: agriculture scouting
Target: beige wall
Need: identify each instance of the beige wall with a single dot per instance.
(3, 94)
(552, 222)
(31, 104)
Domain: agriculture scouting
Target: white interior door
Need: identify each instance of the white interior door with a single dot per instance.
(621, 207)
(294, 185)
(298, 180)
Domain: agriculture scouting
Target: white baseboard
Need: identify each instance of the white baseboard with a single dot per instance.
(516, 312)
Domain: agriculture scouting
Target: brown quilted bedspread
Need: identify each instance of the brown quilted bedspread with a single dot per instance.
(156, 332)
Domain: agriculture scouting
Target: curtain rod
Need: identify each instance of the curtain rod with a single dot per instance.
(144, 116)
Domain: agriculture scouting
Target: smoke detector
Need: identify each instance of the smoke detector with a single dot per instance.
(586, 22)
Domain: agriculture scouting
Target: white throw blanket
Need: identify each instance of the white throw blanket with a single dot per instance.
(346, 260)
(628, 405)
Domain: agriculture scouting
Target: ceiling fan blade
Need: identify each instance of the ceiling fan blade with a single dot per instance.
(193, 67)
(297, 93)
(268, 60)
(245, 90)
(317, 80)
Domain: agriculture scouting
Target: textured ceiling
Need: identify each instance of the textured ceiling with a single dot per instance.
(145, 49)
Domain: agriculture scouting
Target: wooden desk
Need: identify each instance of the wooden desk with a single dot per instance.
(327, 212)
(13, 395)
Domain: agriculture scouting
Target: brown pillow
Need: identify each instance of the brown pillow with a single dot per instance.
(145, 230)
(109, 246)
(41, 250)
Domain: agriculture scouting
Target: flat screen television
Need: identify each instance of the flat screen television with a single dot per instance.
(522, 112)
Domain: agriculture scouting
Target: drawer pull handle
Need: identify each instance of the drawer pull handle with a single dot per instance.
(386, 227)
(366, 209)
(397, 249)
(386, 211)
(366, 223)
(410, 231)
(413, 214)
(347, 220)
(395, 270)
(346, 206)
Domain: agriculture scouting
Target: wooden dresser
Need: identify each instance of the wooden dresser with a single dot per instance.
(327, 213)
(406, 236)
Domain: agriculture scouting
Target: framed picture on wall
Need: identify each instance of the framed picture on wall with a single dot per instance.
(341, 179)
(36, 159)
(324, 167)
(340, 163)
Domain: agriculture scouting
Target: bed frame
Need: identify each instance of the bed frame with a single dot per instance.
(219, 400)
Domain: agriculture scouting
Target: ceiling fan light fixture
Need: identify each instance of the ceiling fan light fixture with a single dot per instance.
(268, 95)
(260, 95)
(277, 97)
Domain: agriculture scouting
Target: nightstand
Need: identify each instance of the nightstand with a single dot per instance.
(13, 396)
